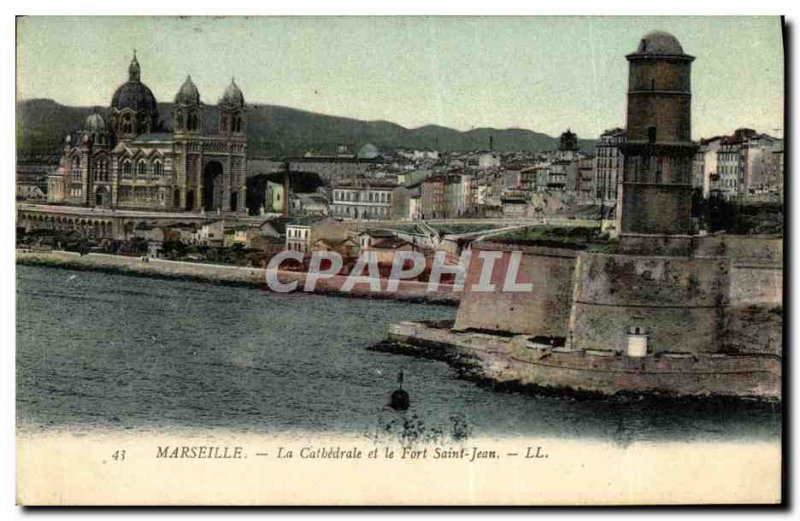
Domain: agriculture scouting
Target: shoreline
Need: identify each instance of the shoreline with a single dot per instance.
(468, 368)
(228, 275)
(503, 364)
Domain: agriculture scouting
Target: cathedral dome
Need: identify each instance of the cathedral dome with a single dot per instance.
(659, 42)
(368, 151)
(188, 94)
(134, 94)
(95, 123)
(232, 96)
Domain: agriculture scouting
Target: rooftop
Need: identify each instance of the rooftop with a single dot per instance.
(659, 43)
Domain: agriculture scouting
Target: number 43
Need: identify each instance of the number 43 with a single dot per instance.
(118, 455)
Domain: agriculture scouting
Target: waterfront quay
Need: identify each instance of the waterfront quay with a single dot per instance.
(407, 290)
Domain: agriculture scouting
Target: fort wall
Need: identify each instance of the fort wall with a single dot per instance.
(678, 301)
(729, 302)
(543, 311)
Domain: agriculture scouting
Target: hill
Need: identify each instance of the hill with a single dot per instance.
(282, 131)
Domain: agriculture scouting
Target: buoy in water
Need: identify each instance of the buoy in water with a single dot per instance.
(400, 400)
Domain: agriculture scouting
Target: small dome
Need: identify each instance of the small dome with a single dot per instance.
(659, 42)
(368, 151)
(188, 94)
(232, 96)
(95, 123)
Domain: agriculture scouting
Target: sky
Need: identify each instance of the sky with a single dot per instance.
(540, 73)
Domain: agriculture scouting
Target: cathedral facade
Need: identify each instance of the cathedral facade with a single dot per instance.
(131, 159)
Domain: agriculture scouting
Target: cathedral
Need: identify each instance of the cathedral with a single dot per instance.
(132, 159)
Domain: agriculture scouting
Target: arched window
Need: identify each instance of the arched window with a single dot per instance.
(76, 169)
(142, 170)
(126, 169)
(101, 170)
(127, 124)
(157, 172)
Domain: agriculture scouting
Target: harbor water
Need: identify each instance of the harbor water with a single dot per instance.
(99, 350)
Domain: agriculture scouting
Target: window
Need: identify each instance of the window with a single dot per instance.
(75, 172)
(157, 172)
(101, 170)
(127, 124)
(126, 169)
(651, 134)
(142, 170)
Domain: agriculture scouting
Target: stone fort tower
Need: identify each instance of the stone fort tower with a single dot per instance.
(656, 192)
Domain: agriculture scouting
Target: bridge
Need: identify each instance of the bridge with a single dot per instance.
(120, 224)
(101, 223)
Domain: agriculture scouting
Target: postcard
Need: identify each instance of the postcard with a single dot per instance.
(410, 260)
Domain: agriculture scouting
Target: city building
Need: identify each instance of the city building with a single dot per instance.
(459, 197)
(415, 207)
(488, 160)
(705, 164)
(763, 166)
(744, 165)
(275, 198)
(414, 176)
(432, 199)
(568, 146)
(385, 250)
(361, 198)
(211, 234)
(729, 177)
(298, 236)
(347, 248)
(448, 195)
(557, 175)
(309, 204)
(608, 165)
(405, 201)
(584, 181)
(516, 203)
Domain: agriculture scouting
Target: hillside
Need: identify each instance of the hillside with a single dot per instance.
(283, 131)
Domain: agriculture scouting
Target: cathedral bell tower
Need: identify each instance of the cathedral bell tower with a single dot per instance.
(233, 128)
(656, 193)
(231, 111)
(186, 111)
